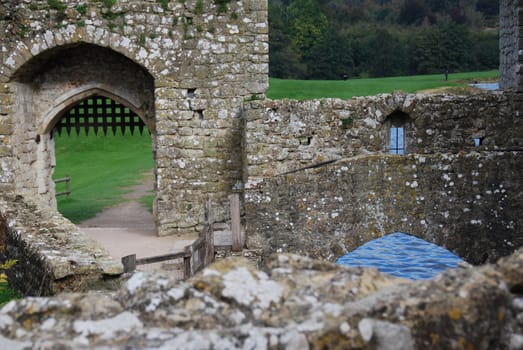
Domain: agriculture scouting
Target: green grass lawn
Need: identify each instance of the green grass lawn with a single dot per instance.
(101, 167)
(311, 89)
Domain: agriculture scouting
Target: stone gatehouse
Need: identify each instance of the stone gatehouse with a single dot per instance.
(184, 67)
(316, 177)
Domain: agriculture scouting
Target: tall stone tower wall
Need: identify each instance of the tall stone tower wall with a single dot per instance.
(511, 44)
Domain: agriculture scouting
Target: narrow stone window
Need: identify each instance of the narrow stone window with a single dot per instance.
(191, 93)
(477, 142)
(199, 112)
(397, 140)
(305, 140)
(397, 124)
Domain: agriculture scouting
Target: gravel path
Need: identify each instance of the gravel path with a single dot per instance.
(128, 228)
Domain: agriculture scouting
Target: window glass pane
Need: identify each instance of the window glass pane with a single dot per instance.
(401, 138)
(397, 140)
(393, 140)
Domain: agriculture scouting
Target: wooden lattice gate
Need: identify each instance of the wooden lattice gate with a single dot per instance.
(99, 112)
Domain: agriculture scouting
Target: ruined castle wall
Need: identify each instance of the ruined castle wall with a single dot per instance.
(445, 190)
(204, 58)
(287, 135)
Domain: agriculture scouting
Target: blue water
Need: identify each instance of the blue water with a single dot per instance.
(402, 255)
(486, 86)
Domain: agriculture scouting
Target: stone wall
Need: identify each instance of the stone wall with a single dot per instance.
(287, 135)
(468, 203)
(184, 67)
(510, 45)
(445, 190)
(52, 254)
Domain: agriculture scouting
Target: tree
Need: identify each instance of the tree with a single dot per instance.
(489, 8)
(414, 11)
(307, 23)
(485, 50)
(284, 57)
(446, 46)
(388, 54)
(322, 39)
(330, 58)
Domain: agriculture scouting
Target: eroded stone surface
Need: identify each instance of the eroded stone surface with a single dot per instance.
(52, 254)
(321, 181)
(310, 304)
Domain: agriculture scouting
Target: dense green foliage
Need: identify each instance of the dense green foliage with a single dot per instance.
(6, 292)
(310, 89)
(101, 167)
(328, 39)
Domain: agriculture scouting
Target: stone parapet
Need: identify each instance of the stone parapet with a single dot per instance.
(470, 203)
(294, 302)
(52, 254)
(287, 135)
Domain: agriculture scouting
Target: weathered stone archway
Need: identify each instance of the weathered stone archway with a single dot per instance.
(48, 86)
(188, 69)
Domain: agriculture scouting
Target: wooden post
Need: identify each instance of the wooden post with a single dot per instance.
(209, 235)
(67, 186)
(208, 211)
(188, 268)
(235, 222)
(129, 263)
(209, 251)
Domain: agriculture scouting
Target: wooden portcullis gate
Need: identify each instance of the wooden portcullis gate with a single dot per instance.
(99, 112)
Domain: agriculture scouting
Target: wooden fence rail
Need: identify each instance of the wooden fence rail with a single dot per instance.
(67, 181)
(130, 262)
(195, 256)
(200, 253)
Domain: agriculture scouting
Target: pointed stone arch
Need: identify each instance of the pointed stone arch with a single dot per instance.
(24, 51)
(71, 98)
(398, 132)
(48, 85)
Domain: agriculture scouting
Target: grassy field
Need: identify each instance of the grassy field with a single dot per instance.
(311, 89)
(101, 167)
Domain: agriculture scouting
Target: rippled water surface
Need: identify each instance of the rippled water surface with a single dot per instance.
(402, 255)
(486, 86)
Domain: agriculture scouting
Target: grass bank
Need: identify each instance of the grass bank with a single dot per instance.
(101, 167)
(345, 89)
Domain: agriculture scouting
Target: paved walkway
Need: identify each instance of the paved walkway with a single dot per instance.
(128, 228)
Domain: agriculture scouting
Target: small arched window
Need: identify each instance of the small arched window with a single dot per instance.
(398, 123)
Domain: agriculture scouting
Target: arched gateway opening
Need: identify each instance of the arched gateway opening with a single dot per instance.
(73, 90)
(103, 158)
